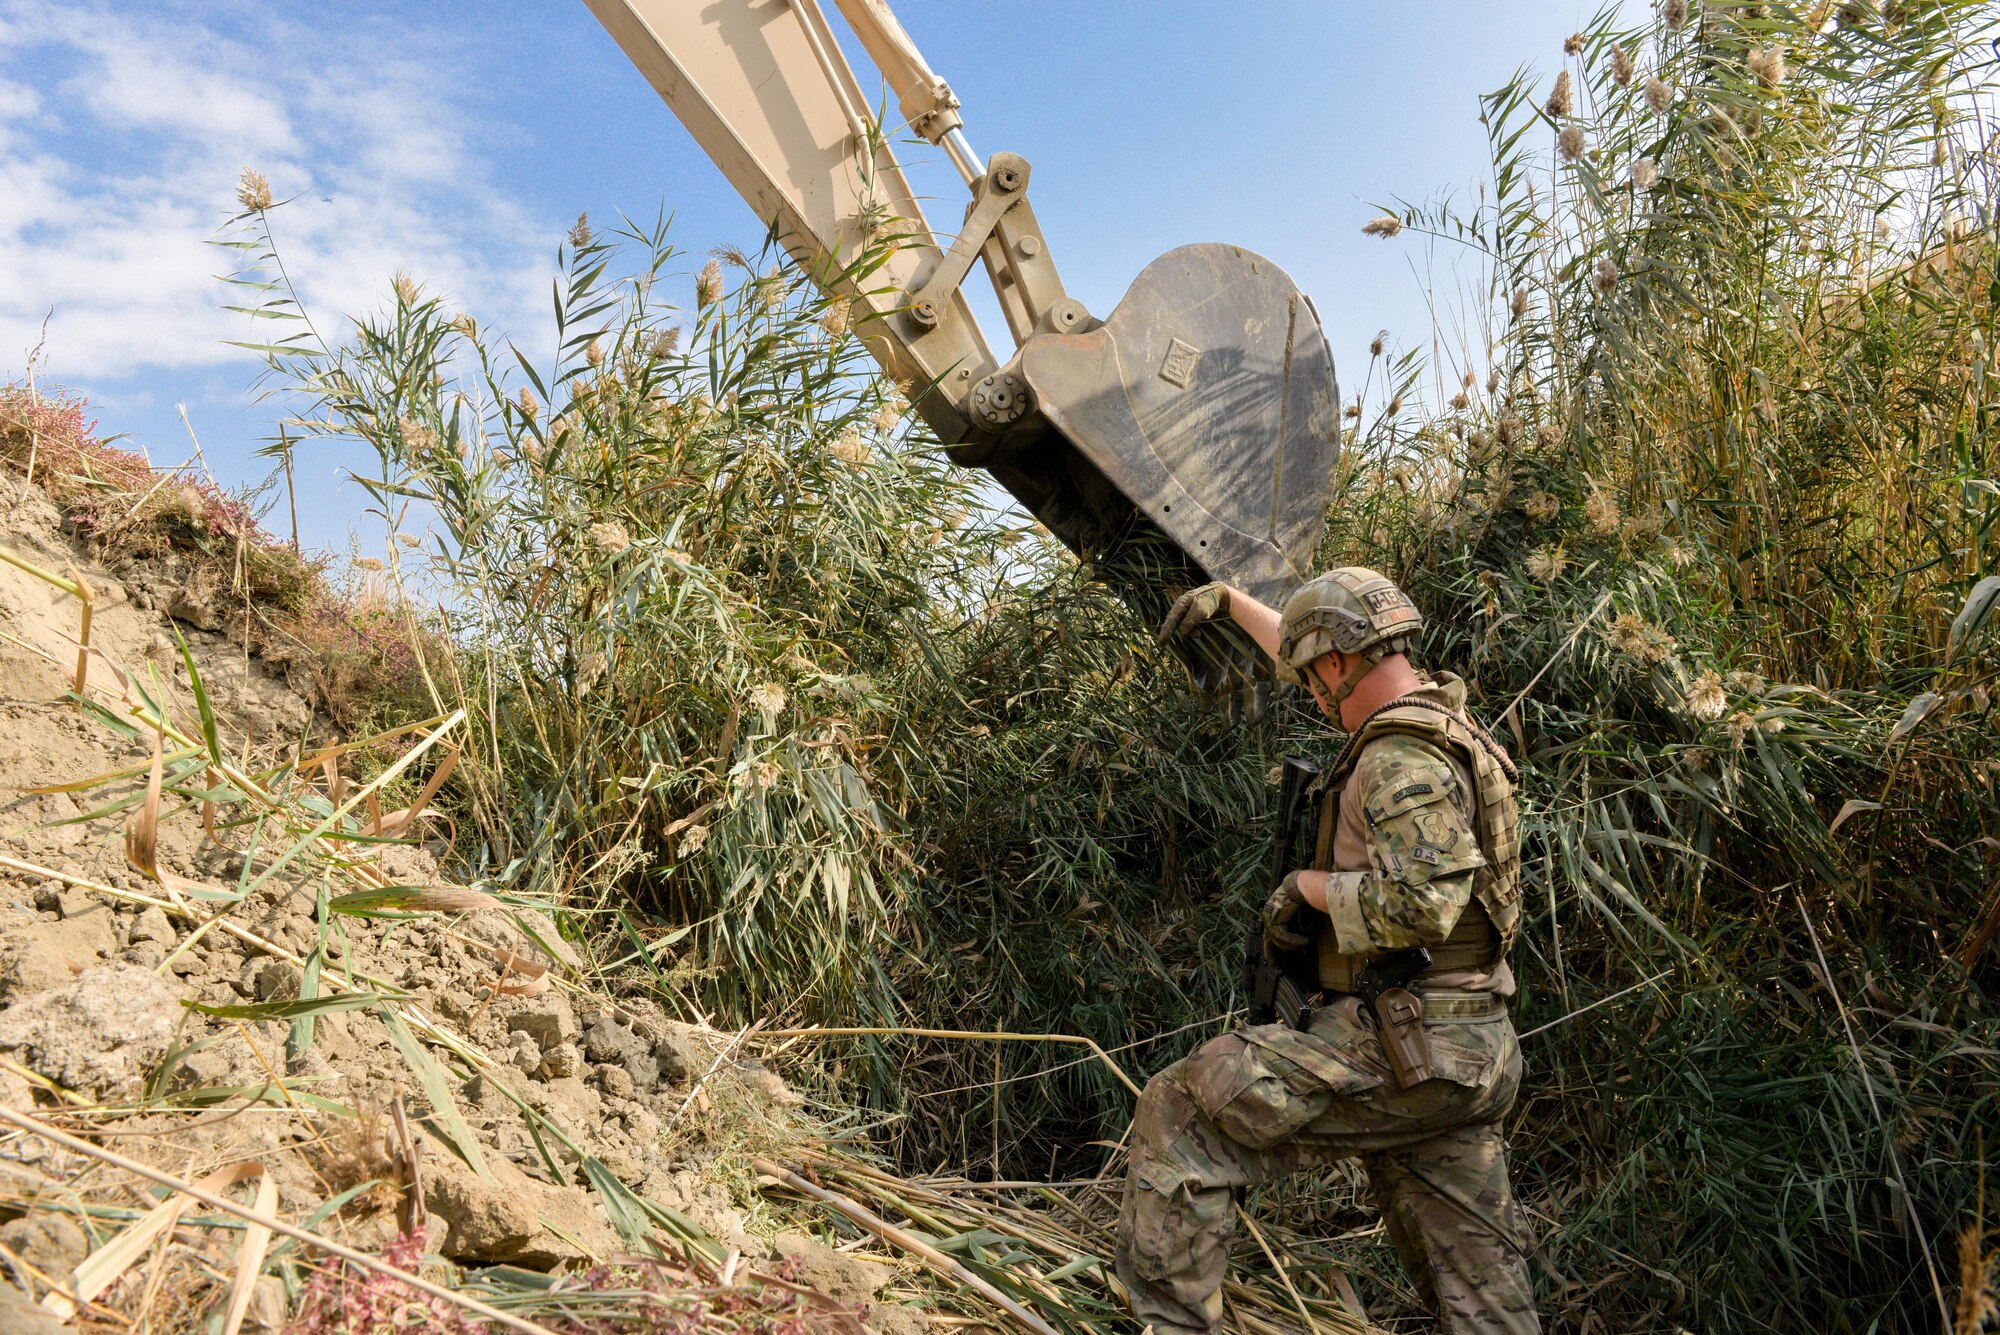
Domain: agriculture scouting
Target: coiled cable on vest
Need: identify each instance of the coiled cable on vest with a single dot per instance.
(1479, 734)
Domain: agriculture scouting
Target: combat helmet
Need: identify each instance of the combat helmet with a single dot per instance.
(1354, 610)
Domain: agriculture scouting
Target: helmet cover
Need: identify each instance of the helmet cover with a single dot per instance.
(1353, 610)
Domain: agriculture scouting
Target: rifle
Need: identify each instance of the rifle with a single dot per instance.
(1277, 984)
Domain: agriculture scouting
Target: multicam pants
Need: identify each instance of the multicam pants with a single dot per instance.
(1254, 1105)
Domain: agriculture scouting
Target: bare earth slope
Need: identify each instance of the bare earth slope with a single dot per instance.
(482, 1026)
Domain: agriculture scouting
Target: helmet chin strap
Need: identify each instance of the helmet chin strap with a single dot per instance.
(1345, 688)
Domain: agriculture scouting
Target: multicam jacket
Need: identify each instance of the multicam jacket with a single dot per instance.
(1419, 824)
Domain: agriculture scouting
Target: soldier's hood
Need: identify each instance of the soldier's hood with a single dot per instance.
(1446, 688)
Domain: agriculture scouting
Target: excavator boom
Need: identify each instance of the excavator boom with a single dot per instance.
(1189, 435)
(763, 88)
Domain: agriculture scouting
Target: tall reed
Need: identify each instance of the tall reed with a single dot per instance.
(1718, 509)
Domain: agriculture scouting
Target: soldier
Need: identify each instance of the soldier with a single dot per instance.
(1417, 852)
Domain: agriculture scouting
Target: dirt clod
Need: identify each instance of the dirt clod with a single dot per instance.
(501, 1218)
(52, 1243)
(608, 1041)
(151, 925)
(100, 1034)
(548, 1018)
(18, 1316)
(678, 1059)
(841, 1278)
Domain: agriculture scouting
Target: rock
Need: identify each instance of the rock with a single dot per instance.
(535, 941)
(841, 1278)
(678, 1058)
(501, 1221)
(41, 955)
(889, 1319)
(407, 864)
(152, 925)
(14, 1091)
(642, 1124)
(614, 1081)
(570, 1101)
(145, 954)
(208, 1068)
(191, 606)
(267, 1306)
(524, 1054)
(706, 1202)
(562, 1061)
(285, 926)
(608, 1041)
(23, 973)
(99, 1034)
(455, 1006)
(486, 1094)
(18, 1316)
(642, 1070)
(548, 1017)
(275, 980)
(55, 1244)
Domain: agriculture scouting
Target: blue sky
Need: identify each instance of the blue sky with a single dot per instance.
(458, 139)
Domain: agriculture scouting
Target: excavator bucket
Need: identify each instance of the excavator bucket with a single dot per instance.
(1193, 437)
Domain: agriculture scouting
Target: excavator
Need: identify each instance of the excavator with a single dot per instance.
(1188, 435)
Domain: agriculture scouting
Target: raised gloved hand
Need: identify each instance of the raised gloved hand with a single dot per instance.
(1279, 910)
(1193, 608)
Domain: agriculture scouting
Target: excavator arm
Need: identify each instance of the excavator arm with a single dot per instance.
(1190, 434)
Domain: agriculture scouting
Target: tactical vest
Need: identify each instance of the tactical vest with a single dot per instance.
(1481, 939)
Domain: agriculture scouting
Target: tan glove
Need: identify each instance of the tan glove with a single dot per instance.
(1193, 608)
(1279, 911)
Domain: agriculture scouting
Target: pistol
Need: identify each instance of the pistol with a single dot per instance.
(1399, 1013)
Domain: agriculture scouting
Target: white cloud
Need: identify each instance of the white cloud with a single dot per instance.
(17, 100)
(191, 85)
(122, 135)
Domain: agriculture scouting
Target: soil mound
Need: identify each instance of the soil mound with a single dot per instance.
(165, 978)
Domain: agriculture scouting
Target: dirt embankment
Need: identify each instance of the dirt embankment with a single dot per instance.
(529, 1098)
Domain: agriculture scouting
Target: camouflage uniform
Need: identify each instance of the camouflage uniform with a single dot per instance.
(1402, 840)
